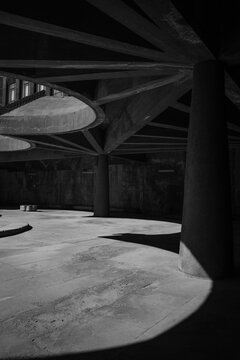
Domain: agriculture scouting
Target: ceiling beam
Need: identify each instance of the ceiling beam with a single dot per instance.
(182, 107)
(232, 90)
(95, 138)
(125, 146)
(71, 143)
(34, 154)
(106, 75)
(166, 126)
(41, 27)
(176, 34)
(147, 142)
(88, 65)
(46, 143)
(157, 136)
(155, 131)
(139, 89)
(141, 109)
(149, 151)
(138, 24)
(136, 139)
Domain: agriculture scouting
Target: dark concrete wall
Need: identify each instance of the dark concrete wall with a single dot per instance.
(135, 187)
(1, 90)
(235, 181)
(154, 187)
(48, 183)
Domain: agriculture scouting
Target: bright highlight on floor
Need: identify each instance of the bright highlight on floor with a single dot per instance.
(76, 284)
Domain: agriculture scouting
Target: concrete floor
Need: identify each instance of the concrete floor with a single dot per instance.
(81, 287)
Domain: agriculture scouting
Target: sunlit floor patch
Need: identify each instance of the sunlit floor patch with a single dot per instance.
(75, 283)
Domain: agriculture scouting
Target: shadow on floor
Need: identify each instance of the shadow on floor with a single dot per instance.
(14, 231)
(169, 242)
(124, 215)
(211, 332)
(142, 216)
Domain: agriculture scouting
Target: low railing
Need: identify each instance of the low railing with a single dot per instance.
(21, 102)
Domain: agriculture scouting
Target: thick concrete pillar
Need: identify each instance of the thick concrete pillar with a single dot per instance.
(4, 91)
(206, 241)
(18, 89)
(101, 199)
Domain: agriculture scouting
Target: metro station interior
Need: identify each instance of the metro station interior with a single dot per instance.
(119, 122)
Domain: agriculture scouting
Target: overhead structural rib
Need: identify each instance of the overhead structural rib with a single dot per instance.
(61, 139)
(95, 138)
(36, 154)
(41, 27)
(89, 65)
(48, 144)
(176, 34)
(129, 18)
(105, 75)
(142, 109)
(139, 89)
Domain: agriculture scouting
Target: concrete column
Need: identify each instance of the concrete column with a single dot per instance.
(48, 91)
(206, 248)
(18, 89)
(4, 91)
(101, 199)
(31, 88)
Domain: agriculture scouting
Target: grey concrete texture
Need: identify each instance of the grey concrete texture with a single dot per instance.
(48, 114)
(9, 144)
(81, 287)
(72, 285)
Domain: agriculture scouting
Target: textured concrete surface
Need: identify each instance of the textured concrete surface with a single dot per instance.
(48, 114)
(9, 144)
(104, 288)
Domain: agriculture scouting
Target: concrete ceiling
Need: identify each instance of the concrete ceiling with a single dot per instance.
(129, 60)
(48, 115)
(9, 144)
